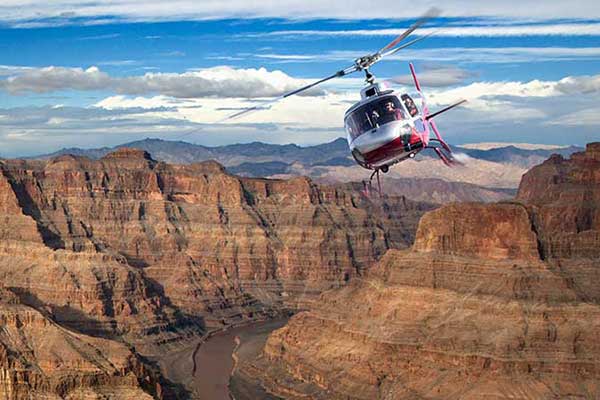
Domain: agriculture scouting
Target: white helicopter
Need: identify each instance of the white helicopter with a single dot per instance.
(385, 127)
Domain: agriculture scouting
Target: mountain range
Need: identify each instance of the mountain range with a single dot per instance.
(247, 157)
(486, 175)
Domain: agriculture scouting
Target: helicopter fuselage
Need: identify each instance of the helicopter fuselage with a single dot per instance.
(384, 128)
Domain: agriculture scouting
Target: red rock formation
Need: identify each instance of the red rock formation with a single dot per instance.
(204, 235)
(451, 230)
(148, 253)
(565, 194)
(14, 225)
(481, 307)
(41, 359)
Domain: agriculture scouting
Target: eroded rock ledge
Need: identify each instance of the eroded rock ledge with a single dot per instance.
(492, 301)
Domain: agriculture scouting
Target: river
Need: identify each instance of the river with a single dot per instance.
(213, 361)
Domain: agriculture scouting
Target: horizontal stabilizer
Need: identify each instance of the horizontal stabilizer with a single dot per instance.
(430, 116)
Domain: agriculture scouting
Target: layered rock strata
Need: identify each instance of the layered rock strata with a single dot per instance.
(143, 253)
(41, 359)
(565, 195)
(486, 304)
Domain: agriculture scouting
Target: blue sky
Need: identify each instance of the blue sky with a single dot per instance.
(102, 73)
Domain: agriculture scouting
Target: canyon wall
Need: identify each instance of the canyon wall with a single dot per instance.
(492, 301)
(119, 257)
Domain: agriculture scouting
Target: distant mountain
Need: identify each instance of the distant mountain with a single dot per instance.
(231, 155)
(518, 156)
(260, 169)
(331, 162)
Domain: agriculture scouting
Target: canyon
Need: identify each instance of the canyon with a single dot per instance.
(107, 265)
(114, 269)
(492, 301)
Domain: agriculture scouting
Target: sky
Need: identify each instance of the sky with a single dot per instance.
(104, 72)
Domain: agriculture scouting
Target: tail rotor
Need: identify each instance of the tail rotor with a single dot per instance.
(438, 144)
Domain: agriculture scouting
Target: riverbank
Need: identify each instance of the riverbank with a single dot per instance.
(205, 365)
(241, 387)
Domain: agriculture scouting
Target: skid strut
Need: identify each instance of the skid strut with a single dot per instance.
(369, 185)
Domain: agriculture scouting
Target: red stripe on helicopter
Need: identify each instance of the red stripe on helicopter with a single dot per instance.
(386, 151)
(390, 150)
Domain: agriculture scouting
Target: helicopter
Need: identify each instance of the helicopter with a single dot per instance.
(386, 126)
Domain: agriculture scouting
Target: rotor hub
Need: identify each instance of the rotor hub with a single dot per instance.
(365, 62)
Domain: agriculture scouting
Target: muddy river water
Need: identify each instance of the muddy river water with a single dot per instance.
(205, 369)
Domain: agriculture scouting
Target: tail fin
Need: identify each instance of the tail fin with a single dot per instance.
(418, 87)
(414, 75)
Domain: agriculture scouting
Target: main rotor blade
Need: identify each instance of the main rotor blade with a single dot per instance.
(405, 45)
(338, 74)
(265, 105)
(261, 106)
(431, 13)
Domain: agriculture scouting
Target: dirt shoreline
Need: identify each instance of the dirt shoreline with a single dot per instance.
(241, 386)
(204, 367)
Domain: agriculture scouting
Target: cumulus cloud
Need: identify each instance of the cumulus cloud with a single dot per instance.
(534, 111)
(579, 84)
(219, 81)
(12, 69)
(48, 79)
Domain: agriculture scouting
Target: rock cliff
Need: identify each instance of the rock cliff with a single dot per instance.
(565, 195)
(488, 303)
(142, 254)
(41, 359)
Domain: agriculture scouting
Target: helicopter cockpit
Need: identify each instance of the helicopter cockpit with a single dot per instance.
(374, 114)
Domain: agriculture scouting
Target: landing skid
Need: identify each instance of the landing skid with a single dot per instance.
(368, 186)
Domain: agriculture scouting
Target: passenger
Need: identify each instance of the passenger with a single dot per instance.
(410, 106)
(391, 113)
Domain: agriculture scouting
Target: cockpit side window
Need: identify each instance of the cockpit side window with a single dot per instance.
(410, 105)
(373, 115)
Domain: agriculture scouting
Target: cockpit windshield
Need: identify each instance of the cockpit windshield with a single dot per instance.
(373, 115)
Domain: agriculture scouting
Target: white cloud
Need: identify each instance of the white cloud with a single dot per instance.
(587, 117)
(325, 111)
(460, 55)
(6, 70)
(434, 77)
(48, 79)
(211, 82)
(555, 29)
(488, 102)
(119, 63)
(158, 10)
(100, 37)
(579, 84)
(124, 102)
(531, 111)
